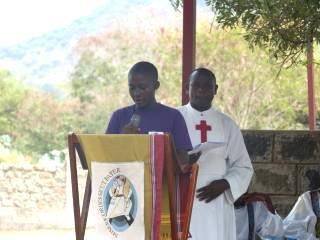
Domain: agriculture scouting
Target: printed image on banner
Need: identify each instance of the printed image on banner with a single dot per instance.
(118, 200)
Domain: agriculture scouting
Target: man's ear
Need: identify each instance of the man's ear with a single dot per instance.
(156, 85)
(216, 89)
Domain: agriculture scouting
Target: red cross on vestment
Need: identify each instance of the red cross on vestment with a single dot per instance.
(203, 127)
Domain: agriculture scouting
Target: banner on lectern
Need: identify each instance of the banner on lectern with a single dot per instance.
(119, 199)
(126, 173)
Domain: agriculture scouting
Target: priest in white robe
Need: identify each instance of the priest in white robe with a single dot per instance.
(225, 171)
(255, 216)
(301, 222)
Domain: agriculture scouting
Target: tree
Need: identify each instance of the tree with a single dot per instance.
(248, 90)
(36, 122)
(286, 28)
(91, 73)
(12, 93)
(41, 124)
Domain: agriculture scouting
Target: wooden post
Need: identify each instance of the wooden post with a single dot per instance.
(311, 91)
(188, 44)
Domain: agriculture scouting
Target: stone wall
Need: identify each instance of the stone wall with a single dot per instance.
(282, 160)
(36, 196)
(40, 197)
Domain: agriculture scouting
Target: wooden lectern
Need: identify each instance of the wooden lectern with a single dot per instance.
(179, 222)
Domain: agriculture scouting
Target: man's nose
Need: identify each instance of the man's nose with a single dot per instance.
(200, 90)
(137, 92)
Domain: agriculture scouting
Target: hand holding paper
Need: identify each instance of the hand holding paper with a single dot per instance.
(194, 157)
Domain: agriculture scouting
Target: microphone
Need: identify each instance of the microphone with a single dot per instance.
(135, 120)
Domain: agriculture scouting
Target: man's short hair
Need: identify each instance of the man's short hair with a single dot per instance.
(204, 71)
(144, 68)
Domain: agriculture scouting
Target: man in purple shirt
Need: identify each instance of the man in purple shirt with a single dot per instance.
(146, 115)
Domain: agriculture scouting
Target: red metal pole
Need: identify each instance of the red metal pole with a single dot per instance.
(188, 44)
(311, 91)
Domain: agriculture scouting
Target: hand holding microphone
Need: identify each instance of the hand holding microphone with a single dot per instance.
(133, 126)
